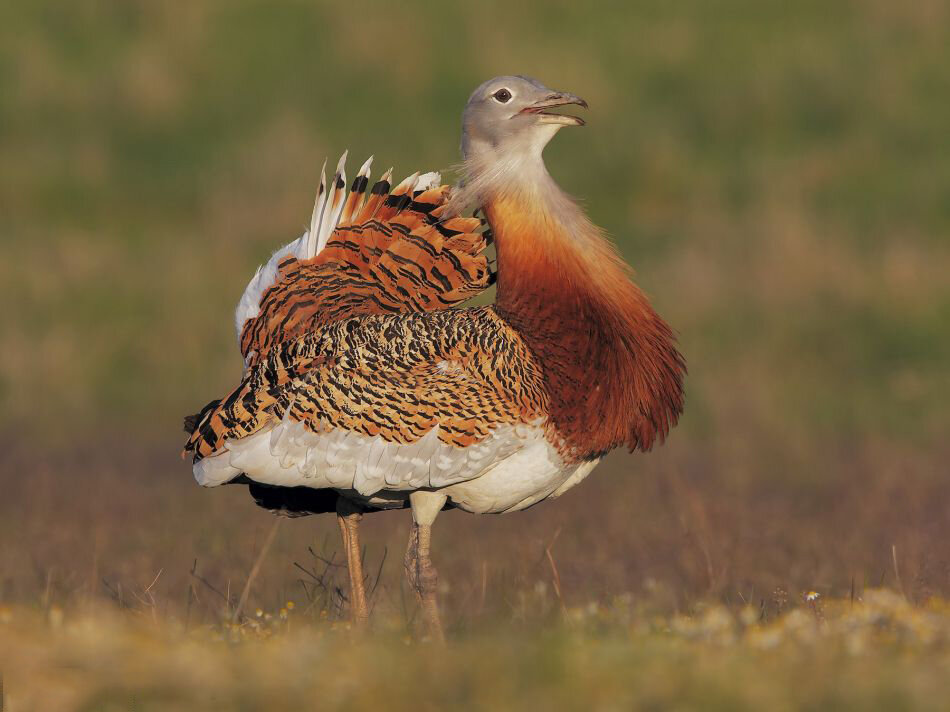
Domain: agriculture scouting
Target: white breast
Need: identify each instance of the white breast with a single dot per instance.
(532, 474)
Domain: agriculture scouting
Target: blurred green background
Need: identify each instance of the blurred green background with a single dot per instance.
(779, 177)
(778, 174)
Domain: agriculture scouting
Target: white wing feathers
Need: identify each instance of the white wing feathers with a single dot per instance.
(332, 207)
(308, 246)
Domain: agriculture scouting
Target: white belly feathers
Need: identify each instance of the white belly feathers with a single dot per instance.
(512, 469)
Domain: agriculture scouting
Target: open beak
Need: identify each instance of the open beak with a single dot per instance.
(552, 101)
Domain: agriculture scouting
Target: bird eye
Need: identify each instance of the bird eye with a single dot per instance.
(503, 96)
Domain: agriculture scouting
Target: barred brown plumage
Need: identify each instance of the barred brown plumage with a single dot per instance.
(401, 260)
(379, 375)
(365, 378)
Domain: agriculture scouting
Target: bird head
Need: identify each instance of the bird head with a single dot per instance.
(512, 114)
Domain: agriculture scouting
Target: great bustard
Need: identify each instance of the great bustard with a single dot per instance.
(365, 387)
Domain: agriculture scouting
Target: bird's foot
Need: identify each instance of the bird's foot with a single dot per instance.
(424, 579)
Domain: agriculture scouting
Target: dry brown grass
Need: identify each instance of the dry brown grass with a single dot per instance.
(673, 528)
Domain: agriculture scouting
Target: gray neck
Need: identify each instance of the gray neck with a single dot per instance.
(516, 170)
(512, 166)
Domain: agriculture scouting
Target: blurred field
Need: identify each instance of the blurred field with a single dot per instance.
(779, 177)
(876, 653)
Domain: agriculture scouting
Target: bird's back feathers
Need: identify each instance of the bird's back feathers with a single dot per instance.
(392, 253)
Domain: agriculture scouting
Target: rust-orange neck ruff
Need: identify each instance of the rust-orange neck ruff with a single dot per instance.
(611, 367)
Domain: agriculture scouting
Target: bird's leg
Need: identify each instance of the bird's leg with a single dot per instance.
(348, 516)
(420, 572)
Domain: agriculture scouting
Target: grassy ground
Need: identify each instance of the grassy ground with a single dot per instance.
(876, 652)
(779, 177)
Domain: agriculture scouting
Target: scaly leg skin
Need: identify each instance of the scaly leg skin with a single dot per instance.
(349, 516)
(420, 571)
